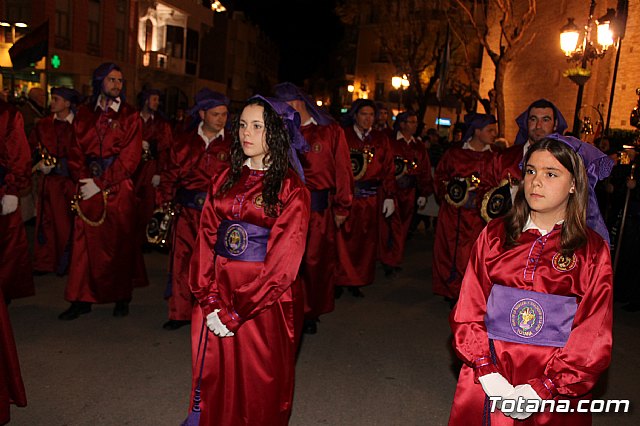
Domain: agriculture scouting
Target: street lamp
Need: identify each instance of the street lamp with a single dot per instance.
(400, 84)
(585, 51)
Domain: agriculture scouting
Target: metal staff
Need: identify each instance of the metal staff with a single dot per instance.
(624, 217)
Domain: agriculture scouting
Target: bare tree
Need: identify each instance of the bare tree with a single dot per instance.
(514, 18)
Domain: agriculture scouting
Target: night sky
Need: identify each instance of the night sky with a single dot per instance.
(307, 32)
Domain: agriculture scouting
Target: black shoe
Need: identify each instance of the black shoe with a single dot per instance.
(355, 292)
(121, 309)
(388, 270)
(337, 292)
(175, 324)
(75, 310)
(310, 327)
(631, 307)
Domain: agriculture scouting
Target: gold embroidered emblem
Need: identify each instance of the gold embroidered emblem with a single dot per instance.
(114, 125)
(222, 156)
(563, 263)
(258, 202)
(316, 147)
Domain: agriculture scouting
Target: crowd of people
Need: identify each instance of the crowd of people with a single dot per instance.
(280, 208)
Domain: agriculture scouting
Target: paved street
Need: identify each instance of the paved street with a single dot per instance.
(384, 359)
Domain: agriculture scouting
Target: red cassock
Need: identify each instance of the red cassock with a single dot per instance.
(185, 181)
(507, 163)
(570, 372)
(248, 378)
(413, 180)
(54, 218)
(157, 132)
(104, 261)
(11, 385)
(357, 238)
(16, 278)
(458, 227)
(327, 172)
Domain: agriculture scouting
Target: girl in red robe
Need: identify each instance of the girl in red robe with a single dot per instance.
(534, 317)
(244, 275)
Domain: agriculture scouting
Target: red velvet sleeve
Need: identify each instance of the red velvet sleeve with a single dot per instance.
(18, 175)
(575, 369)
(344, 177)
(129, 155)
(425, 178)
(168, 178)
(388, 167)
(441, 175)
(165, 140)
(285, 247)
(470, 339)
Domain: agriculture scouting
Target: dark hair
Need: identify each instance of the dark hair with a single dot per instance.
(543, 103)
(277, 157)
(574, 228)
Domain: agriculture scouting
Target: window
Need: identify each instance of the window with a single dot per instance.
(93, 37)
(63, 24)
(175, 41)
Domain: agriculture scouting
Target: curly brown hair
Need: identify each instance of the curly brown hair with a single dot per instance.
(277, 157)
(574, 228)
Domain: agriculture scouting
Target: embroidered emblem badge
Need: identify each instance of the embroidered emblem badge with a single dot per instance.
(258, 202)
(222, 156)
(563, 263)
(317, 147)
(236, 240)
(527, 318)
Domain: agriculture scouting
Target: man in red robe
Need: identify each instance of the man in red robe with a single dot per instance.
(156, 143)
(327, 171)
(462, 177)
(196, 157)
(50, 140)
(375, 187)
(15, 176)
(106, 151)
(414, 184)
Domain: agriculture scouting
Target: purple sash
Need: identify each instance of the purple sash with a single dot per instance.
(97, 166)
(243, 241)
(190, 198)
(524, 316)
(319, 200)
(367, 188)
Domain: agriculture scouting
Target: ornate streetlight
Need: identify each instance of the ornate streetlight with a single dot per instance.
(583, 46)
(400, 84)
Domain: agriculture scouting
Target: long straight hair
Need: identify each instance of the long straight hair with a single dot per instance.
(574, 228)
(277, 158)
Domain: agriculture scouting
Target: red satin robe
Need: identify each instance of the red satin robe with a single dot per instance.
(157, 132)
(248, 378)
(105, 260)
(54, 218)
(11, 385)
(357, 239)
(326, 167)
(191, 166)
(16, 278)
(393, 234)
(458, 227)
(574, 369)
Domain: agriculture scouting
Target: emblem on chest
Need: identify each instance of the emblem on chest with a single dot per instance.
(563, 263)
(258, 202)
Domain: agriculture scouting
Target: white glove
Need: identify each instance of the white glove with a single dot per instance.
(88, 189)
(44, 169)
(9, 204)
(527, 393)
(155, 181)
(494, 384)
(422, 201)
(388, 207)
(215, 325)
(145, 145)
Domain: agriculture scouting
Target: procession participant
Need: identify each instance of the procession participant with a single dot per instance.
(460, 180)
(534, 318)
(15, 175)
(11, 386)
(375, 187)
(244, 274)
(50, 142)
(156, 143)
(382, 120)
(104, 154)
(327, 171)
(196, 157)
(414, 184)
